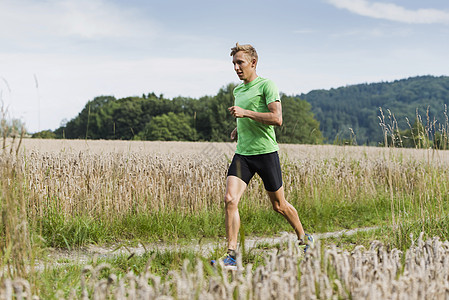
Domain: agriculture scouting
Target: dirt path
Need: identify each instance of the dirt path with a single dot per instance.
(84, 255)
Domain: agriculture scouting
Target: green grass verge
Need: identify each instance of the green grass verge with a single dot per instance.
(64, 278)
(327, 215)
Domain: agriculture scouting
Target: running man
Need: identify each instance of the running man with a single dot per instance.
(257, 109)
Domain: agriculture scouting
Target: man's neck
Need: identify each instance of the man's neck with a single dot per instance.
(250, 79)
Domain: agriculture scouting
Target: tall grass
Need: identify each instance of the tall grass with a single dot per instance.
(75, 193)
(15, 240)
(421, 198)
(376, 272)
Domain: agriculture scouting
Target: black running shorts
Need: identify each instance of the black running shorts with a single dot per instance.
(266, 165)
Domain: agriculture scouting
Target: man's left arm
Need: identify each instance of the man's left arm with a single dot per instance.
(274, 117)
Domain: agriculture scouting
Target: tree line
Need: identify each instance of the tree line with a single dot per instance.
(151, 117)
(405, 113)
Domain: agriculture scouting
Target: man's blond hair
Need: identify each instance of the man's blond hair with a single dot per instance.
(249, 50)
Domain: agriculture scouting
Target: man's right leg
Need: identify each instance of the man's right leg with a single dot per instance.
(234, 191)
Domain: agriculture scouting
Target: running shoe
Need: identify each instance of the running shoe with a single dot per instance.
(228, 261)
(308, 242)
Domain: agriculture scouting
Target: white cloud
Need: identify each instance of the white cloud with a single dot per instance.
(88, 19)
(393, 12)
(369, 33)
(91, 19)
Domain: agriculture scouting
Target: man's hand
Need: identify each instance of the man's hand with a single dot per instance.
(274, 117)
(237, 111)
(234, 134)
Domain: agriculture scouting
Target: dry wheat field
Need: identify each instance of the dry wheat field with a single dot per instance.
(109, 179)
(113, 177)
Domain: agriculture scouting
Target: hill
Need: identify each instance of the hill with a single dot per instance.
(357, 107)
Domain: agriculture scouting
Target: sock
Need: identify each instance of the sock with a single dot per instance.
(231, 253)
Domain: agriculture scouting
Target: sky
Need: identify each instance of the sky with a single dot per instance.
(55, 56)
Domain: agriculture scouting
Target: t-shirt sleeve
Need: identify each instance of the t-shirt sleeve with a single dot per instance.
(271, 92)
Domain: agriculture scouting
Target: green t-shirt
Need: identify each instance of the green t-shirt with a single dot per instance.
(254, 137)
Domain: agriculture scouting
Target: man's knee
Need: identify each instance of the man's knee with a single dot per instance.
(231, 201)
(277, 207)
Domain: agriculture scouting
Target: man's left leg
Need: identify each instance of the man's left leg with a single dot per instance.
(289, 212)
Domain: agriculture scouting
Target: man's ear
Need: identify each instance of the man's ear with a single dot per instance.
(254, 62)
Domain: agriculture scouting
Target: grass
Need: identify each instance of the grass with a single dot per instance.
(400, 238)
(54, 281)
(171, 227)
(65, 278)
(326, 264)
(72, 199)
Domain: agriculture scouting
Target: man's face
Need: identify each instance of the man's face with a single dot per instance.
(244, 66)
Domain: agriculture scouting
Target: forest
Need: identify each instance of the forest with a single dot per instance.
(420, 100)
